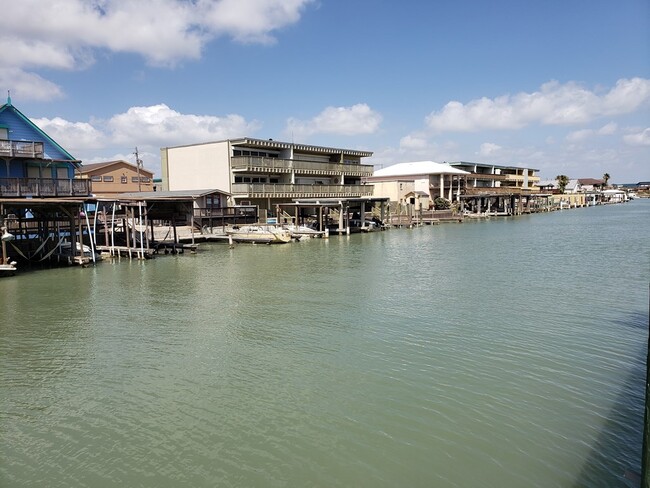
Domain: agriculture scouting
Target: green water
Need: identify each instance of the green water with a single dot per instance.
(505, 353)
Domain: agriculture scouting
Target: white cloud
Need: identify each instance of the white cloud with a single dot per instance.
(608, 129)
(72, 136)
(250, 20)
(67, 34)
(413, 142)
(28, 86)
(641, 138)
(159, 125)
(579, 135)
(553, 104)
(489, 149)
(355, 120)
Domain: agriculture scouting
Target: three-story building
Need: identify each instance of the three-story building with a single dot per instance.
(266, 172)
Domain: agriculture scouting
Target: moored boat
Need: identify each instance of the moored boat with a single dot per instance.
(260, 234)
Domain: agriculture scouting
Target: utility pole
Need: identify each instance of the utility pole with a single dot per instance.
(138, 163)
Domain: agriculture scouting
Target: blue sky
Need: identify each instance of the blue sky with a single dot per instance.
(561, 86)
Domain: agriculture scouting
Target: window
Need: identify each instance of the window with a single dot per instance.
(124, 180)
(96, 178)
(107, 179)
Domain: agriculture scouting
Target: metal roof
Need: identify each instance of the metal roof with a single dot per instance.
(419, 168)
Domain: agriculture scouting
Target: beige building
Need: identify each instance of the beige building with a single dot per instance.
(266, 172)
(114, 177)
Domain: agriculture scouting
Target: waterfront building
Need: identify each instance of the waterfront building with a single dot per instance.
(506, 178)
(426, 180)
(32, 164)
(266, 173)
(111, 178)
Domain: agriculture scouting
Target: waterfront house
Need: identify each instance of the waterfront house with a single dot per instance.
(266, 173)
(506, 179)
(111, 178)
(32, 164)
(400, 182)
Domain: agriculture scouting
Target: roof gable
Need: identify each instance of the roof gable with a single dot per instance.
(24, 129)
(109, 165)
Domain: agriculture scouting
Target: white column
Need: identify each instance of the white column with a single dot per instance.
(442, 186)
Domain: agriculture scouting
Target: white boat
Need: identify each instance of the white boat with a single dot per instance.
(65, 249)
(298, 231)
(261, 234)
(8, 269)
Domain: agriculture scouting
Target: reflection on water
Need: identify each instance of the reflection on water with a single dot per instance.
(503, 353)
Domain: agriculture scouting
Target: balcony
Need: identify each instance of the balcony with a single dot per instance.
(486, 177)
(21, 149)
(43, 187)
(274, 165)
(268, 190)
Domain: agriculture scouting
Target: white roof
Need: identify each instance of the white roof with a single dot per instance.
(419, 168)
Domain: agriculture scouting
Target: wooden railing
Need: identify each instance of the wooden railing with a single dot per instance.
(43, 187)
(21, 149)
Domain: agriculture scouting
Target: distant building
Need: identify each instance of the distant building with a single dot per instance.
(32, 164)
(266, 172)
(591, 184)
(113, 177)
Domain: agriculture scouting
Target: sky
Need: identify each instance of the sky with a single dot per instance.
(562, 86)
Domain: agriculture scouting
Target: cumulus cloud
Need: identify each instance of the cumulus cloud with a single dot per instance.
(640, 138)
(68, 33)
(583, 134)
(553, 104)
(159, 125)
(29, 86)
(355, 120)
(413, 142)
(73, 136)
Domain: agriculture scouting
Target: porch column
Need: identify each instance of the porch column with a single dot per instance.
(341, 217)
(442, 186)
(451, 187)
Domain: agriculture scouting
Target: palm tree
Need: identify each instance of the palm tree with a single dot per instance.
(562, 182)
(606, 178)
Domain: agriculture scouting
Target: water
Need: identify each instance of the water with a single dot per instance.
(505, 353)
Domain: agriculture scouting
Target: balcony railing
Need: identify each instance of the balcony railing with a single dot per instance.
(43, 187)
(275, 165)
(21, 149)
(268, 190)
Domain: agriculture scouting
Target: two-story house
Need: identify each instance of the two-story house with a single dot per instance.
(266, 172)
(497, 178)
(32, 164)
(111, 178)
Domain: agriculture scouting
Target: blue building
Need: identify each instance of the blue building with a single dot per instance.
(32, 164)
